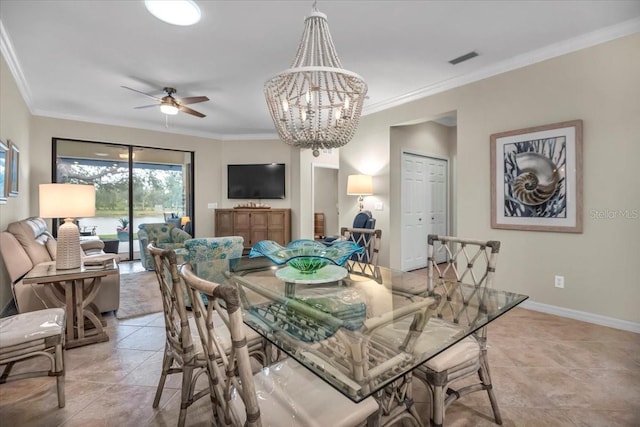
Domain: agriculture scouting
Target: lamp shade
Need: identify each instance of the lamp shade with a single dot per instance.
(67, 200)
(359, 185)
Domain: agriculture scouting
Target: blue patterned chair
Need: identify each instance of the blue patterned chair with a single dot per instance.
(163, 236)
(208, 249)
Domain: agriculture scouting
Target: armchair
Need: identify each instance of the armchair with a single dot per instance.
(163, 236)
(363, 219)
(26, 243)
(210, 248)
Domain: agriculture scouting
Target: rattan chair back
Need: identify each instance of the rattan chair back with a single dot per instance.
(472, 263)
(180, 355)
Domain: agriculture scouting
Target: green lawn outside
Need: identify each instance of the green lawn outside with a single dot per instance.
(114, 236)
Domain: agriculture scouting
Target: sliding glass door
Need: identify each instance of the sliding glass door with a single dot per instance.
(134, 185)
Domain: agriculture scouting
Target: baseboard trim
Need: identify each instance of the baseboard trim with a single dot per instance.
(597, 319)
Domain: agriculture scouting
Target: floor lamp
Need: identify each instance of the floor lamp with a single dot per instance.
(67, 201)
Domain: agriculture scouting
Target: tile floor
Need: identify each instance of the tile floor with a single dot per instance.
(547, 371)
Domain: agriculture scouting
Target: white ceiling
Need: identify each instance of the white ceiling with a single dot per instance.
(71, 57)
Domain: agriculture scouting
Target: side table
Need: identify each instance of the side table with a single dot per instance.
(75, 290)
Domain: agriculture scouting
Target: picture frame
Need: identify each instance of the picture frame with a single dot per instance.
(536, 178)
(4, 154)
(13, 171)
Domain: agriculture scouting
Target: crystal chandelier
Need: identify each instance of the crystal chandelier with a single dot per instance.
(316, 103)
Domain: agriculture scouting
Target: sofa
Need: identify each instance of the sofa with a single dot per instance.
(28, 242)
(163, 235)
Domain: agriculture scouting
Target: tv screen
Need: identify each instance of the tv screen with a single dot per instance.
(255, 181)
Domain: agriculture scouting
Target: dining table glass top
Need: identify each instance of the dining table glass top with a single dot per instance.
(359, 332)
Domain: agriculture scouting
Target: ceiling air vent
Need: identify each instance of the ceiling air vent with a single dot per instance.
(463, 58)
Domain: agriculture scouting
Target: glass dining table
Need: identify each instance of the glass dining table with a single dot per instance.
(362, 333)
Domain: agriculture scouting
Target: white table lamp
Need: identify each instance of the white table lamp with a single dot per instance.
(360, 185)
(67, 201)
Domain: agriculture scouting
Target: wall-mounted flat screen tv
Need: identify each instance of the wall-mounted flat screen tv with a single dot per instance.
(264, 181)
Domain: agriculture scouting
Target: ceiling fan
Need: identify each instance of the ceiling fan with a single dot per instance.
(170, 105)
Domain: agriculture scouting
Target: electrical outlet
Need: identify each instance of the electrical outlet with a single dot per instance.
(559, 281)
(212, 206)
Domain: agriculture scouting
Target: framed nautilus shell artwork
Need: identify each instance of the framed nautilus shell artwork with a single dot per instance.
(536, 178)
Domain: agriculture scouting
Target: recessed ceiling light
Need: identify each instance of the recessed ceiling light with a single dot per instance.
(176, 12)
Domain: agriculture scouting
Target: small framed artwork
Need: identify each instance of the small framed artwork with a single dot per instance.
(13, 175)
(4, 152)
(536, 178)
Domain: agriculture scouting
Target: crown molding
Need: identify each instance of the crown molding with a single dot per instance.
(6, 48)
(158, 128)
(548, 52)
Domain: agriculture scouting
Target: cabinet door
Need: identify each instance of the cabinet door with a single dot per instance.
(242, 220)
(277, 227)
(224, 223)
(259, 220)
(258, 234)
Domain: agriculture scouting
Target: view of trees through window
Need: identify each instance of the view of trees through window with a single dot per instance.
(155, 186)
(157, 183)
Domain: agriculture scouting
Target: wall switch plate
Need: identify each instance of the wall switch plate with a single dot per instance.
(378, 206)
(212, 206)
(559, 281)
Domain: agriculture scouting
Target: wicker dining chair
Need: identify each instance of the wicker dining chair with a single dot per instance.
(471, 262)
(289, 393)
(34, 334)
(182, 352)
(367, 261)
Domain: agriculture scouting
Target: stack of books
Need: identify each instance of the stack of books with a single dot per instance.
(98, 262)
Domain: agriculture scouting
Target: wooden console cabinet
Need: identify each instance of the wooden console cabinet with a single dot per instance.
(255, 225)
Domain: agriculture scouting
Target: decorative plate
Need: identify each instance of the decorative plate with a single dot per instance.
(306, 256)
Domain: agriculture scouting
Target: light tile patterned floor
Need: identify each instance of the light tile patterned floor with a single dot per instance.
(547, 371)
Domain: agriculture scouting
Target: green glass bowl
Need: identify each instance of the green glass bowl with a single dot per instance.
(306, 256)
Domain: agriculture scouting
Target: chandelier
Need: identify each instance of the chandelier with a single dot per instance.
(316, 103)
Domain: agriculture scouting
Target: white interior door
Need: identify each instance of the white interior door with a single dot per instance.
(424, 206)
(437, 205)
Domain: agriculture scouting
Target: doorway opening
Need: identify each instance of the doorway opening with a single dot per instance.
(325, 201)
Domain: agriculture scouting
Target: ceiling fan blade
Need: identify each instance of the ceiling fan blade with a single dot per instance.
(142, 93)
(192, 100)
(146, 106)
(190, 111)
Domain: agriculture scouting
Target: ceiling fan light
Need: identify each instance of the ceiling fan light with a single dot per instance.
(169, 109)
(176, 12)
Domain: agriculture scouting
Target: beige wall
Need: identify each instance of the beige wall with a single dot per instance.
(14, 125)
(599, 85)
